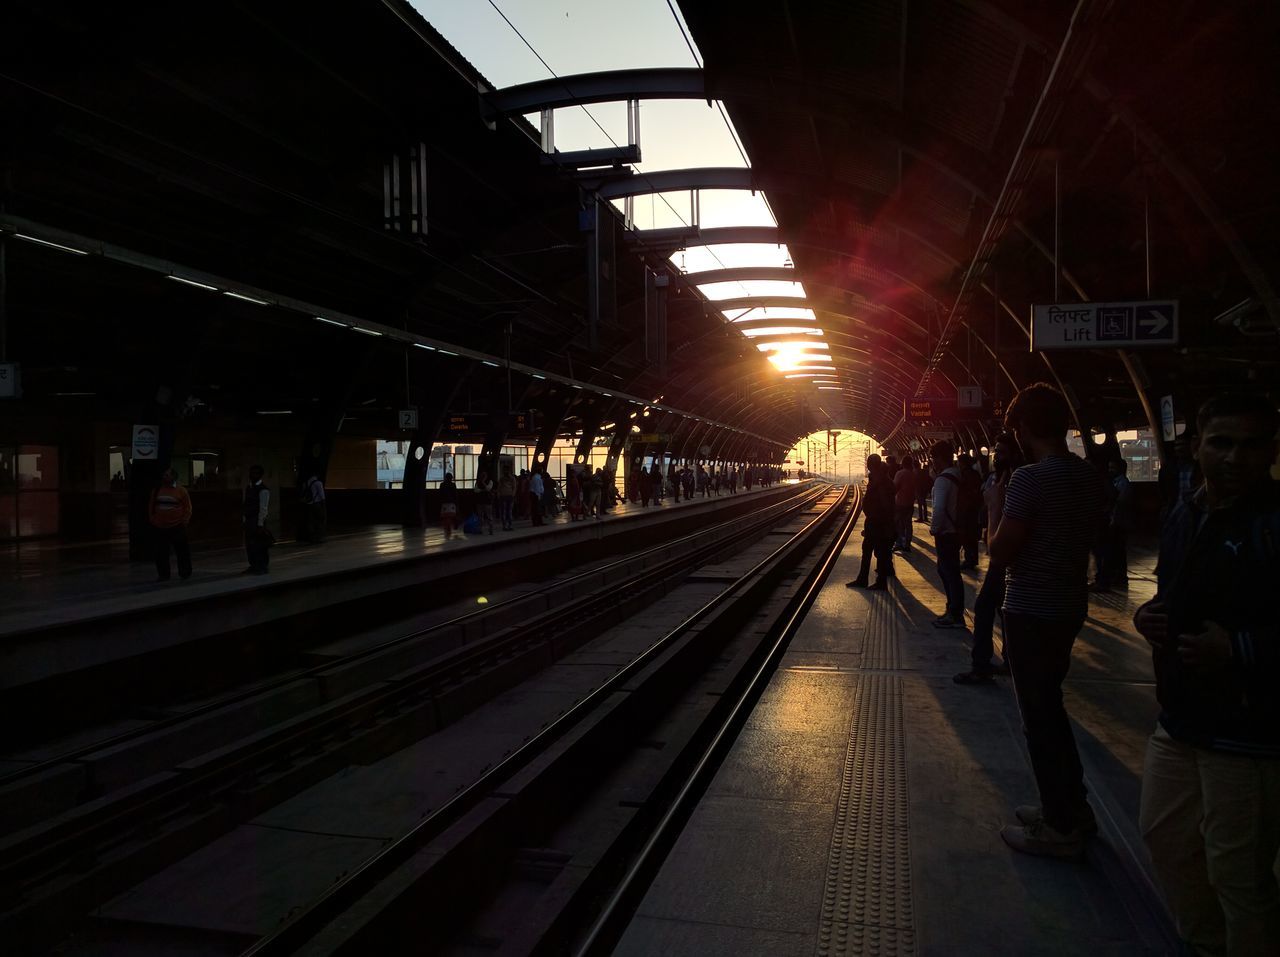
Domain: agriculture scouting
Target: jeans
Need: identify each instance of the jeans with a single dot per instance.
(505, 504)
(1039, 654)
(882, 548)
(175, 538)
(990, 598)
(1211, 820)
(535, 508)
(948, 545)
(257, 549)
(1113, 558)
(904, 526)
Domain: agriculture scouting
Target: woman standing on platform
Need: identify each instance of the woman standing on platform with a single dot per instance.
(506, 499)
(484, 500)
(448, 505)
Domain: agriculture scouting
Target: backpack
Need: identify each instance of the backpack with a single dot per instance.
(472, 525)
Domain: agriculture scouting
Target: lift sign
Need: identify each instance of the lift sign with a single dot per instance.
(1104, 325)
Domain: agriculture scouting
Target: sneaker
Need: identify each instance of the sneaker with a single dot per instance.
(974, 678)
(856, 583)
(1032, 814)
(948, 622)
(1042, 840)
(880, 585)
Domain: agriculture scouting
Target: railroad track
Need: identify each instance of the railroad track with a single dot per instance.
(74, 861)
(584, 811)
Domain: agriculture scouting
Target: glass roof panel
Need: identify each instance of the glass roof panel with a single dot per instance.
(752, 287)
(790, 313)
(720, 255)
(755, 332)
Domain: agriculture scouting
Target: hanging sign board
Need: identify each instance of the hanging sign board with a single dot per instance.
(480, 423)
(1168, 425)
(408, 418)
(146, 443)
(9, 388)
(925, 411)
(969, 397)
(1104, 325)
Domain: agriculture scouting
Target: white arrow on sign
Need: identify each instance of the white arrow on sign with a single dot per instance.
(1155, 323)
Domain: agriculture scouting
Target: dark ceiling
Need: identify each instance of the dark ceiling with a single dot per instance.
(249, 142)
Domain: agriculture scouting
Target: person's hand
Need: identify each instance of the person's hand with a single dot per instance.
(1208, 648)
(1152, 622)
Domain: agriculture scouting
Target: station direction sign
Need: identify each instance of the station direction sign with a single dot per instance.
(1104, 325)
(479, 423)
(650, 438)
(927, 411)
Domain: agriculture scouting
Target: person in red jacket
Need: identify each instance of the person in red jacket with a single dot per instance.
(169, 513)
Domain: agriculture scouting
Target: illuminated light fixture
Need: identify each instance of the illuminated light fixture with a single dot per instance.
(829, 388)
(782, 331)
(803, 375)
(192, 282)
(788, 346)
(423, 345)
(536, 376)
(275, 412)
(607, 395)
(446, 352)
(69, 394)
(331, 322)
(367, 332)
(488, 363)
(45, 242)
(574, 385)
(240, 295)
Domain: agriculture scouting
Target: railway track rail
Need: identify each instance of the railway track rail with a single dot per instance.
(582, 808)
(374, 700)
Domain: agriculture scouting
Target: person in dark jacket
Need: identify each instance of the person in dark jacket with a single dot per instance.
(257, 538)
(878, 528)
(1210, 809)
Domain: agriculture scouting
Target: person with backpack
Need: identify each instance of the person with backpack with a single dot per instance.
(878, 530)
(1210, 806)
(945, 528)
(991, 595)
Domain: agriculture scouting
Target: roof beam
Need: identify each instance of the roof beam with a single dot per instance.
(665, 83)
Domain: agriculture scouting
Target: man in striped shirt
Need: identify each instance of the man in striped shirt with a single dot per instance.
(1052, 511)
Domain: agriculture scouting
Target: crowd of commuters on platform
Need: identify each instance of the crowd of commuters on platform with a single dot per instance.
(1210, 798)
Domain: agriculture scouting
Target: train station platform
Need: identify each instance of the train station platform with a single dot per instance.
(77, 607)
(859, 811)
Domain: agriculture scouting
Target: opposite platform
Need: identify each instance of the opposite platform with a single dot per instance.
(73, 615)
(859, 811)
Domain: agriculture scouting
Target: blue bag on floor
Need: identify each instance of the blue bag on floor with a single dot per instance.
(472, 525)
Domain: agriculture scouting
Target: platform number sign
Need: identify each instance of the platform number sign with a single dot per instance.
(969, 397)
(408, 419)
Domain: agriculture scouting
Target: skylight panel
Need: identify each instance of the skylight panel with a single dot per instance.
(752, 287)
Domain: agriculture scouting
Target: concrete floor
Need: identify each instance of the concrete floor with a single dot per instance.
(859, 811)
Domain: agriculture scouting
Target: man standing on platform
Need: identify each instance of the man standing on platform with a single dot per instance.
(1052, 511)
(257, 538)
(536, 490)
(1210, 811)
(946, 533)
(904, 500)
(169, 512)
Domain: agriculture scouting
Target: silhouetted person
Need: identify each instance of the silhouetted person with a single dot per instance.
(169, 512)
(257, 537)
(945, 528)
(1052, 508)
(878, 530)
(1210, 809)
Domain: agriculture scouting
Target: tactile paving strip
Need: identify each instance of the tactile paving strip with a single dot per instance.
(866, 904)
(881, 649)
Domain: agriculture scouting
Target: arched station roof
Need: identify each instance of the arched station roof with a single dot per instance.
(909, 151)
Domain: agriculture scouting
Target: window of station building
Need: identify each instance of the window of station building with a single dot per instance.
(29, 484)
